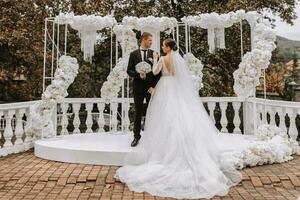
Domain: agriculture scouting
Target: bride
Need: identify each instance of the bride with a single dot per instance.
(179, 154)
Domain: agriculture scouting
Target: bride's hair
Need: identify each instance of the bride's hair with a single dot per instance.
(171, 43)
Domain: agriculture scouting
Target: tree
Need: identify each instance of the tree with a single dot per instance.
(296, 69)
(22, 32)
(21, 45)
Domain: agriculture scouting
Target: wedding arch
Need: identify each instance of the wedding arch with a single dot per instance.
(61, 70)
(246, 77)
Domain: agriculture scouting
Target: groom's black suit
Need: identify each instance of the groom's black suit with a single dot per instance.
(140, 87)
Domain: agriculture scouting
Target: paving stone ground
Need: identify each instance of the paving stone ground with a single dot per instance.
(24, 176)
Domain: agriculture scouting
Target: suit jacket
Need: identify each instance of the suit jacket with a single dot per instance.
(140, 85)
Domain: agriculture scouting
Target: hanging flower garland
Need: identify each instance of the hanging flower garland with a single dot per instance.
(87, 26)
(64, 18)
(155, 23)
(262, 40)
(42, 111)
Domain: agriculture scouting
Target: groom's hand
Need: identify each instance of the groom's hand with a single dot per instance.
(143, 76)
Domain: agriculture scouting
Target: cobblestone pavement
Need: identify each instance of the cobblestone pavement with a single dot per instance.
(24, 176)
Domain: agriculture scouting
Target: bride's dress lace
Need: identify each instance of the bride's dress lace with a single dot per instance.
(181, 153)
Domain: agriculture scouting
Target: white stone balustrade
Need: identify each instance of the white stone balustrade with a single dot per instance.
(12, 127)
(94, 115)
(269, 108)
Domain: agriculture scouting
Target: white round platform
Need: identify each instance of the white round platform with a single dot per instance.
(87, 148)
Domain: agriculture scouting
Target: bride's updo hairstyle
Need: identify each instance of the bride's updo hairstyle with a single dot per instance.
(171, 43)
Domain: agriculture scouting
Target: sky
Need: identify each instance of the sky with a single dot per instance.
(286, 30)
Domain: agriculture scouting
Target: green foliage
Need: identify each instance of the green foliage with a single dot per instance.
(22, 32)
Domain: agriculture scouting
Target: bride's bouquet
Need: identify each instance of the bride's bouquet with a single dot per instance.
(143, 67)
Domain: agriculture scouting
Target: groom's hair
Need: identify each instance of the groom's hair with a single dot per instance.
(145, 35)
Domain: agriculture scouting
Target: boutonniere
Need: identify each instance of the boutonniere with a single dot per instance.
(150, 59)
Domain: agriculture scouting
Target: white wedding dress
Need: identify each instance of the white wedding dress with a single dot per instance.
(180, 152)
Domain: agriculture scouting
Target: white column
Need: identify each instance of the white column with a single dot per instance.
(211, 107)
(245, 117)
(126, 114)
(8, 132)
(114, 120)
(45, 54)
(259, 111)
(19, 145)
(76, 122)
(64, 119)
(223, 121)
(293, 132)
(281, 114)
(272, 114)
(89, 119)
(28, 139)
(236, 120)
(101, 120)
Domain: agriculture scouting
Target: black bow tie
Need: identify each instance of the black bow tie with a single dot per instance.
(144, 49)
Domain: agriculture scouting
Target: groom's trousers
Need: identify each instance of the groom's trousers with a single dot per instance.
(140, 110)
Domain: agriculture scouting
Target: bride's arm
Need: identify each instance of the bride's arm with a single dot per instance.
(157, 66)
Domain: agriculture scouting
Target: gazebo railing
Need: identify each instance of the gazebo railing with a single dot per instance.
(94, 115)
(283, 114)
(13, 122)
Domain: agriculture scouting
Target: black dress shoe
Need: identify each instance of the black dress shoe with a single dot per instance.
(135, 142)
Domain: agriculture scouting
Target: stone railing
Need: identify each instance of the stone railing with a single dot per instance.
(93, 115)
(283, 114)
(13, 118)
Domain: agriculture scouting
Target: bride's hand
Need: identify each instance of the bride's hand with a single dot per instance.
(151, 90)
(155, 55)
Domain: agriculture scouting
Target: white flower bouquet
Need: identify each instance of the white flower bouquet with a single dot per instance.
(143, 67)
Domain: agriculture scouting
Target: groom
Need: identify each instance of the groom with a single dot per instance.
(143, 84)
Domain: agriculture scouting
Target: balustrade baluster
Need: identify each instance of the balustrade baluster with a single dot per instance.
(114, 113)
(89, 119)
(76, 122)
(8, 132)
(64, 120)
(236, 120)
(211, 107)
(101, 120)
(19, 131)
(223, 121)
(293, 132)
